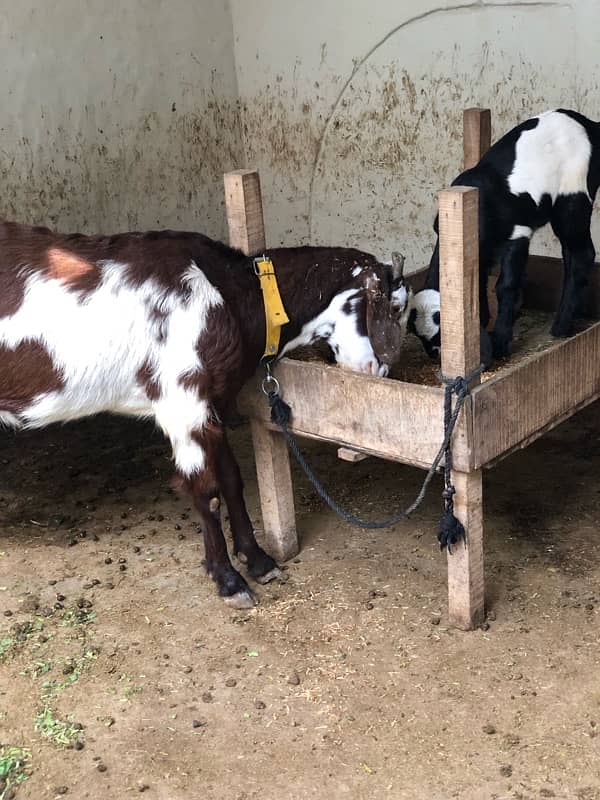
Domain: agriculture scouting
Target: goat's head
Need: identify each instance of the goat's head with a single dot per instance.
(424, 321)
(365, 321)
(387, 300)
(372, 320)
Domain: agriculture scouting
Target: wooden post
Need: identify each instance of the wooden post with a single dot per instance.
(477, 140)
(243, 204)
(477, 135)
(459, 298)
(245, 221)
(276, 492)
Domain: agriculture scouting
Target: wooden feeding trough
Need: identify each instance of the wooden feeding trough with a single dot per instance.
(401, 420)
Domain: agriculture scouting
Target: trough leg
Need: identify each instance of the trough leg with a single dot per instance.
(245, 220)
(465, 565)
(459, 285)
(276, 492)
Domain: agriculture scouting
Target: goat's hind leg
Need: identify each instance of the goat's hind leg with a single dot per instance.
(261, 566)
(196, 460)
(231, 586)
(570, 220)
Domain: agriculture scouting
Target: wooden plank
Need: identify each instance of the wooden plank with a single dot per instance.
(276, 492)
(244, 211)
(352, 456)
(382, 417)
(526, 399)
(539, 433)
(477, 135)
(459, 308)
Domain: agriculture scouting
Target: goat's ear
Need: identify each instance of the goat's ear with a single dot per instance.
(373, 287)
(397, 267)
(384, 326)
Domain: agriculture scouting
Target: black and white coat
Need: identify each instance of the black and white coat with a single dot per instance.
(547, 169)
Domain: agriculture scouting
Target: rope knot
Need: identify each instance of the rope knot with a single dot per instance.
(451, 529)
(461, 387)
(280, 411)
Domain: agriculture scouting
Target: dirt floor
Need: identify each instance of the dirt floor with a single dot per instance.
(122, 673)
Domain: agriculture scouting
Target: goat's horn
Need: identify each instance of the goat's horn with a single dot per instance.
(397, 265)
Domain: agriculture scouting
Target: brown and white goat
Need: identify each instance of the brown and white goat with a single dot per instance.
(170, 325)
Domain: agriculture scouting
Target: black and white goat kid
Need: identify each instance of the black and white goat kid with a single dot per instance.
(547, 169)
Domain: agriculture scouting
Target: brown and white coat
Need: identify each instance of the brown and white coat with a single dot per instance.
(170, 325)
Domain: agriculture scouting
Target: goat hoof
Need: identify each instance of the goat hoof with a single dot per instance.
(486, 350)
(269, 576)
(560, 331)
(261, 567)
(501, 348)
(242, 599)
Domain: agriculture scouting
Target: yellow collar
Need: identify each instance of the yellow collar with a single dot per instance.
(275, 316)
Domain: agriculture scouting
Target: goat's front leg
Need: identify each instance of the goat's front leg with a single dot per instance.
(196, 438)
(508, 288)
(261, 566)
(432, 279)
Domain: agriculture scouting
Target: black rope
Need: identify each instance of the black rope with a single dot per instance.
(451, 529)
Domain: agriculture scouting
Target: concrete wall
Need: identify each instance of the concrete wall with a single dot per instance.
(352, 111)
(125, 115)
(117, 115)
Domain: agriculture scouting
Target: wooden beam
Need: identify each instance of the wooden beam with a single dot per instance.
(244, 210)
(276, 492)
(379, 416)
(459, 301)
(477, 135)
(523, 401)
(353, 456)
(243, 204)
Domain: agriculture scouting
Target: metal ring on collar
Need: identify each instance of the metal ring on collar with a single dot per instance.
(270, 381)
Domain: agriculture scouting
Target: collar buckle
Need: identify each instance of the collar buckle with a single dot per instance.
(260, 260)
